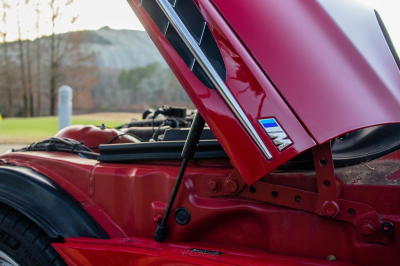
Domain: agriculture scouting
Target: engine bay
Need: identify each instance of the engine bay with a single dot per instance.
(160, 135)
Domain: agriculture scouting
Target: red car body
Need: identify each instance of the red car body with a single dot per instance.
(320, 69)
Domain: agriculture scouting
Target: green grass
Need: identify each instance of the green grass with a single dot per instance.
(26, 130)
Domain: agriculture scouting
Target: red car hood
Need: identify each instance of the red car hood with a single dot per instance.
(329, 60)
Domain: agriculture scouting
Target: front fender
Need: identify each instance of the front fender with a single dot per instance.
(47, 204)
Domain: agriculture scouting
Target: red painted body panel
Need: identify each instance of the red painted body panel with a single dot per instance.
(252, 90)
(139, 251)
(71, 172)
(125, 199)
(329, 59)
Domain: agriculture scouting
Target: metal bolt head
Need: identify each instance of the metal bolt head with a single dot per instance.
(330, 209)
(367, 229)
(231, 186)
(212, 185)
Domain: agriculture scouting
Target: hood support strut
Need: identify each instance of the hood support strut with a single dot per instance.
(187, 154)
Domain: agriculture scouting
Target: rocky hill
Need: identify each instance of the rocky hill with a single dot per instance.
(121, 49)
(113, 49)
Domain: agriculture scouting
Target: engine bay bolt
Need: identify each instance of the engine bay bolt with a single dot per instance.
(212, 185)
(367, 229)
(330, 209)
(231, 186)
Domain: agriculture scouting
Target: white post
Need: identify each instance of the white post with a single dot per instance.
(64, 107)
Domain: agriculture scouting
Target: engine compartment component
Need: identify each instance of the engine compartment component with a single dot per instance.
(62, 145)
(188, 153)
(92, 136)
(138, 140)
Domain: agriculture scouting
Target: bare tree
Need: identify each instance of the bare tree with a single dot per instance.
(29, 69)
(38, 64)
(58, 48)
(29, 64)
(10, 109)
(53, 62)
(24, 84)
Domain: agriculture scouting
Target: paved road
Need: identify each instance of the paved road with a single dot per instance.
(6, 147)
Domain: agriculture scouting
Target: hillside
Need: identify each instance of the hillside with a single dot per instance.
(123, 71)
(121, 49)
(113, 49)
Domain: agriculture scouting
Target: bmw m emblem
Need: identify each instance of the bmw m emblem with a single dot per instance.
(276, 133)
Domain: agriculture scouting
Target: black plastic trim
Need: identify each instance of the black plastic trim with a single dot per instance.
(160, 150)
(156, 14)
(180, 47)
(202, 76)
(47, 204)
(176, 134)
(191, 16)
(211, 50)
(194, 21)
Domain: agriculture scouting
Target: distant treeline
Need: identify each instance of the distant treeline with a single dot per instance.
(32, 70)
(93, 63)
(153, 85)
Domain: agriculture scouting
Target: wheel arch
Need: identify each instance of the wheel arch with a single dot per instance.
(47, 204)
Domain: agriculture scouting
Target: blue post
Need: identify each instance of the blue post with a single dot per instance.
(64, 107)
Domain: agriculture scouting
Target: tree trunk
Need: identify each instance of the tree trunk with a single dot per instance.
(29, 69)
(24, 86)
(39, 80)
(53, 95)
(38, 63)
(53, 75)
(10, 110)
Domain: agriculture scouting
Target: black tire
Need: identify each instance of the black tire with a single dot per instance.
(24, 241)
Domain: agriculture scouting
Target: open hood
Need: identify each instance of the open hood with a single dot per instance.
(274, 78)
(328, 58)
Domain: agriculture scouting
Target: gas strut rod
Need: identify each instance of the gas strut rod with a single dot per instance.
(187, 154)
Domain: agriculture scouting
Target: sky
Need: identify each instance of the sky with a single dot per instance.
(117, 14)
(389, 11)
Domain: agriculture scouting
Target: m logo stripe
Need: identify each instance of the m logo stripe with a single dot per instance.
(276, 133)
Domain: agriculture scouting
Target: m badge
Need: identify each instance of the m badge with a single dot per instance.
(276, 133)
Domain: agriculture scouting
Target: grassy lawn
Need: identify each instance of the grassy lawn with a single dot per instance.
(28, 130)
